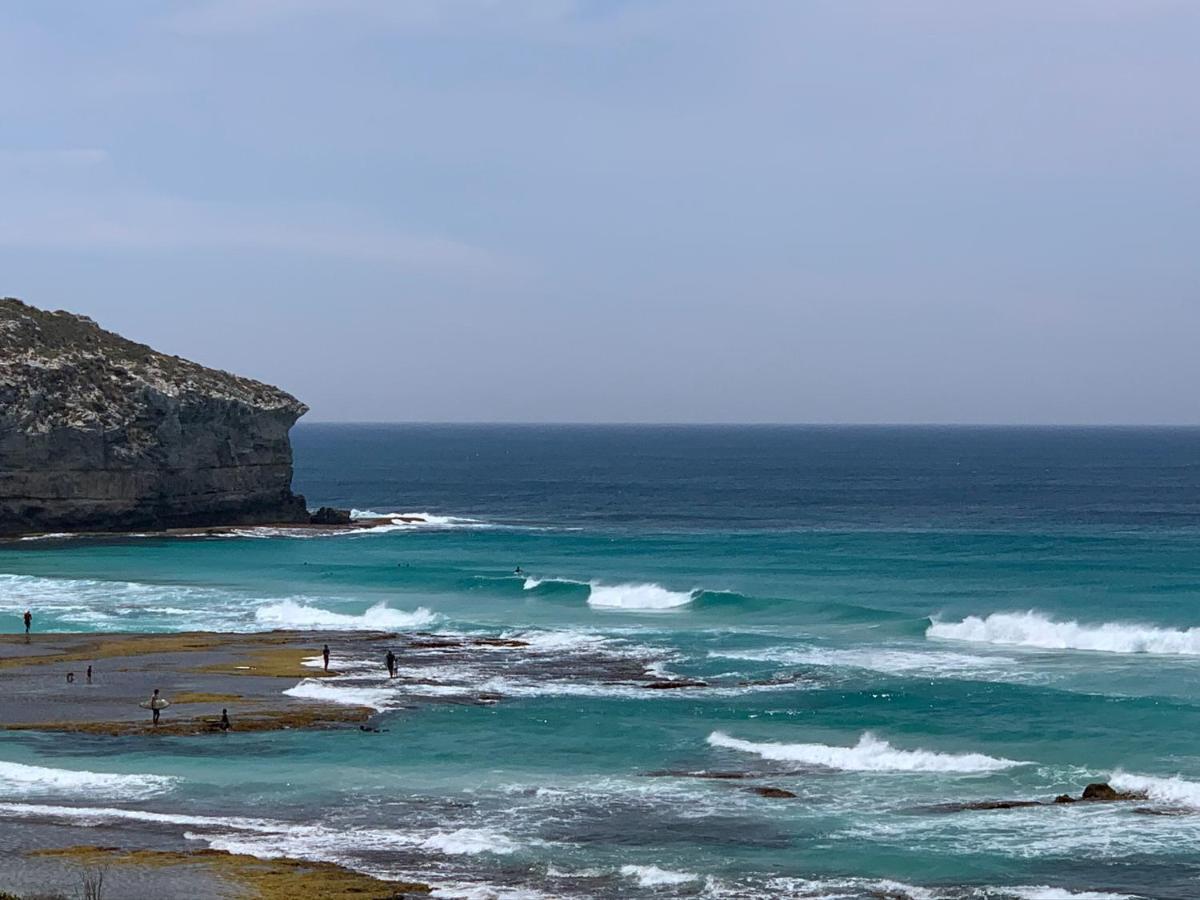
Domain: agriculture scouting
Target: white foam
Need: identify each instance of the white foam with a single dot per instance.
(380, 617)
(20, 780)
(88, 815)
(1033, 629)
(452, 890)
(411, 521)
(1174, 791)
(653, 876)
(557, 641)
(1042, 892)
(469, 841)
(889, 660)
(870, 754)
(532, 583)
(327, 692)
(637, 597)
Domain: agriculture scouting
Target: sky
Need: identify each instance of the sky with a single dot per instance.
(619, 211)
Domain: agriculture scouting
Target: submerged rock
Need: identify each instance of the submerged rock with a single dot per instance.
(1098, 792)
(673, 685)
(99, 433)
(774, 792)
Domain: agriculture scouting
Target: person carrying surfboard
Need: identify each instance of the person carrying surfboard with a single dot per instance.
(156, 705)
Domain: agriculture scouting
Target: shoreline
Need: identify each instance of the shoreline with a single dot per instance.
(315, 529)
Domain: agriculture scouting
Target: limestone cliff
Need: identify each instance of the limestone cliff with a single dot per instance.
(98, 433)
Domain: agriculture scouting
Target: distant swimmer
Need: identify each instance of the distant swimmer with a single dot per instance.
(28, 620)
(325, 656)
(225, 726)
(391, 664)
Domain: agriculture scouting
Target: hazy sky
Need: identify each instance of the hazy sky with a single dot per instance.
(665, 210)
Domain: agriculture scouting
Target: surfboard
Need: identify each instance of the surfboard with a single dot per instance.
(155, 704)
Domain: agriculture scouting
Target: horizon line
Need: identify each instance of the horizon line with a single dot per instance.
(563, 423)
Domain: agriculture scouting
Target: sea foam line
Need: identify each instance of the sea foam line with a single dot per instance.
(870, 754)
(1033, 629)
(380, 617)
(18, 779)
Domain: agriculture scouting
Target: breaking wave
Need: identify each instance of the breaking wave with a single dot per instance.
(1033, 629)
(889, 660)
(870, 754)
(413, 521)
(653, 876)
(637, 596)
(380, 617)
(376, 698)
(1173, 791)
(19, 780)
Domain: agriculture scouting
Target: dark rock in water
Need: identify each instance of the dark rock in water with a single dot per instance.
(1093, 793)
(779, 793)
(98, 433)
(327, 515)
(1105, 791)
(673, 685)
(983, 805)
(1101, 792)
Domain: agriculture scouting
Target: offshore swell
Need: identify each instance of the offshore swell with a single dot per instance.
(879, 654)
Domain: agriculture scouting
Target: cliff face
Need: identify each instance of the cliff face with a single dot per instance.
(98, 433)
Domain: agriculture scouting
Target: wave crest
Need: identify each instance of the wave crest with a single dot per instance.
(20, 780)
(380, 617)
(1033, 629)
(1174, 791)
(637, 596)
(870, 754)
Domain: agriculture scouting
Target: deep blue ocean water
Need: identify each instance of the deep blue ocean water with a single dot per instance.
(887, 620)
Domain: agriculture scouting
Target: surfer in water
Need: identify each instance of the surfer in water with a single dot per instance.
(391, 664)
(518, 571)
(325, 656)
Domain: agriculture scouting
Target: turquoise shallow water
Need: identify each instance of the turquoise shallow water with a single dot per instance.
(888, 620)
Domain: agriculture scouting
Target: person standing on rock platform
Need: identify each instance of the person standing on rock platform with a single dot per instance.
(155, 707)
(325, 656)
(391, 664)
(28, 621)
(225, 726)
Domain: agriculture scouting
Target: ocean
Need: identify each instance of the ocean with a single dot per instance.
(885, 622)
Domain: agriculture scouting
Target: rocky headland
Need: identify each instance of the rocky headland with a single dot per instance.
(99, 433)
